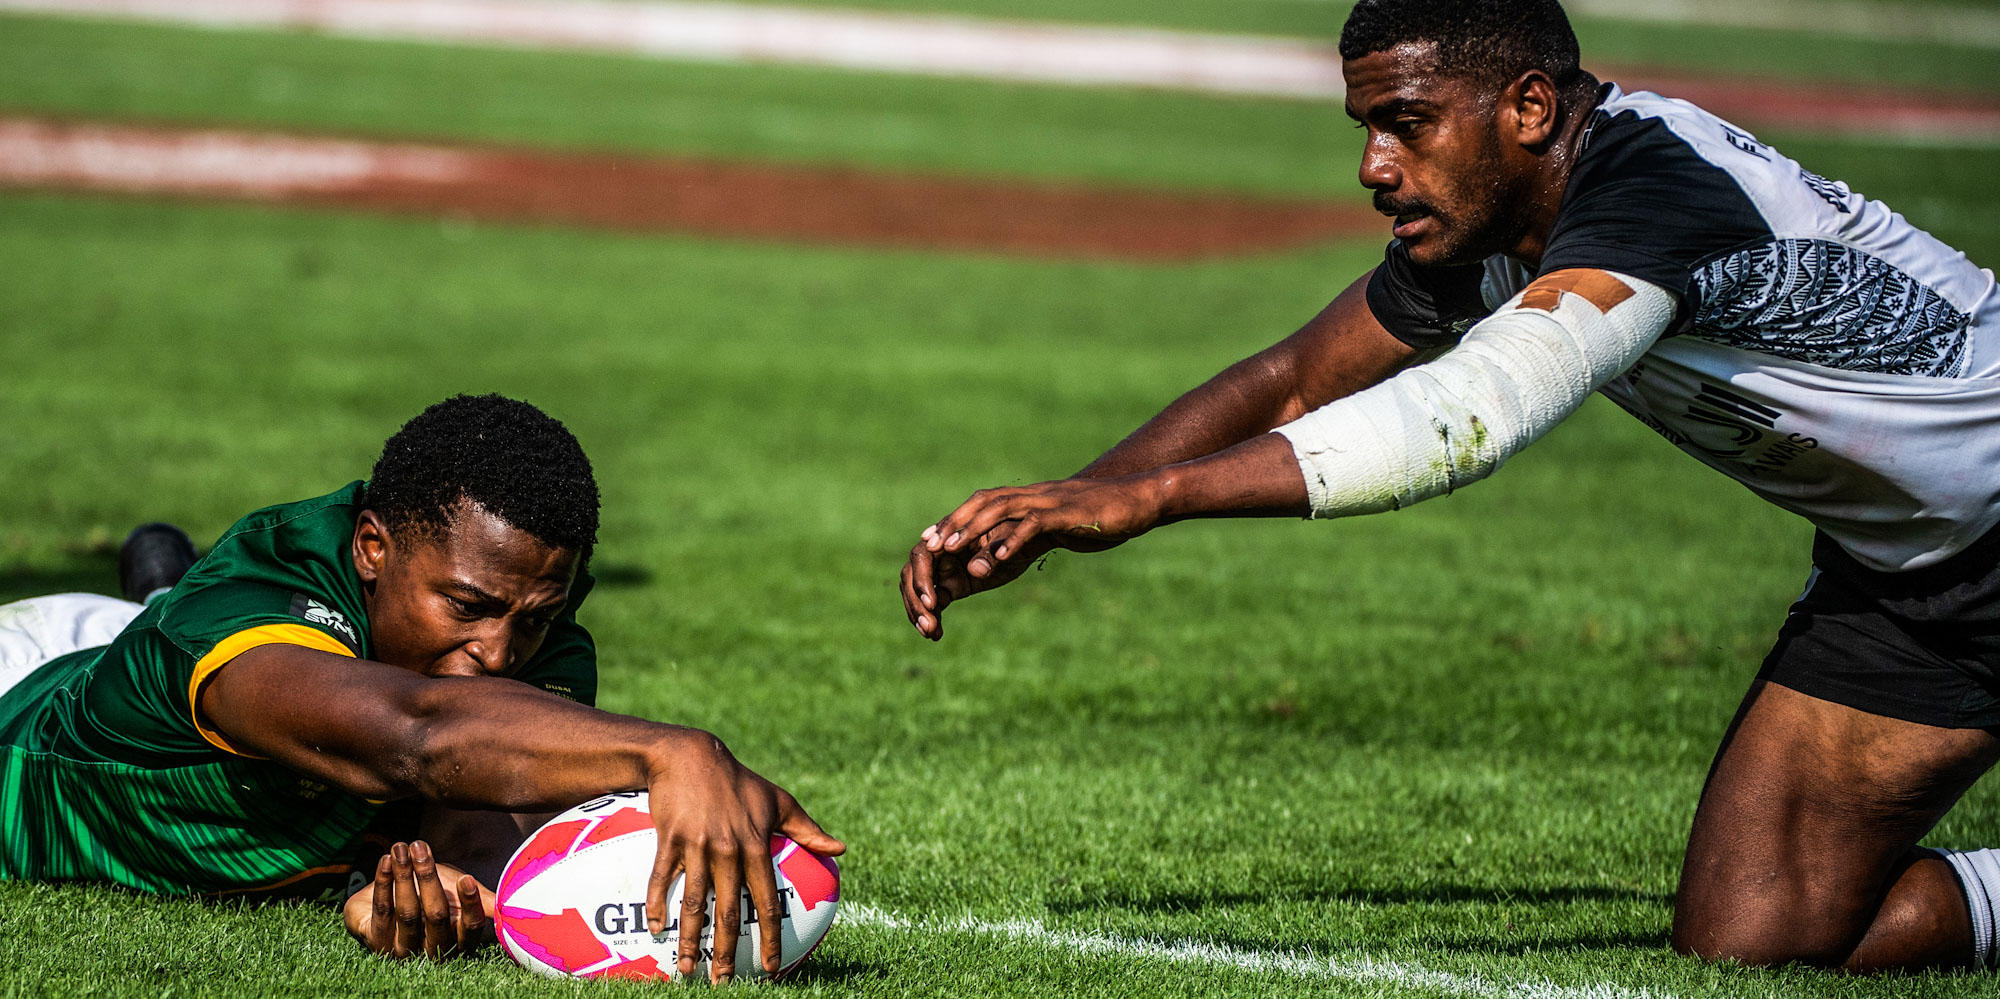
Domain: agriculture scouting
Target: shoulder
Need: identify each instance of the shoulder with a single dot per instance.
(321, 521)
(1658, 186)
(1642, 138)
(282, 565)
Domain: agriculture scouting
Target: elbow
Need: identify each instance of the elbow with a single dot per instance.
(398, 770)
(447, 754)
(433, 762)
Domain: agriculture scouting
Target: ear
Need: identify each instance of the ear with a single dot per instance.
(1529, 107)
(371, 546)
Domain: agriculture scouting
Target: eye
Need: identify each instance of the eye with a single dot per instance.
(459, 607)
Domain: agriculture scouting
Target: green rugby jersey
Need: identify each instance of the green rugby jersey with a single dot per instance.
(110, 774)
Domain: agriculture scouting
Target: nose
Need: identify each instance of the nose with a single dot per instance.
(493, 651)
(1379, 169)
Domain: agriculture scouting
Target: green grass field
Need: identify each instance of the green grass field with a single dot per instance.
(1446, 752)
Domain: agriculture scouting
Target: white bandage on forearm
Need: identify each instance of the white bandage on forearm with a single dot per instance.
(1454, 420)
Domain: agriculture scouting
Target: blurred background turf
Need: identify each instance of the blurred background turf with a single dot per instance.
(1466, 736)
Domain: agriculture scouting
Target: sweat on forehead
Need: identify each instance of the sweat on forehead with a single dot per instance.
(1490, 40)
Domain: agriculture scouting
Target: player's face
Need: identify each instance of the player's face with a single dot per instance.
(1434, 157)
(476, 602)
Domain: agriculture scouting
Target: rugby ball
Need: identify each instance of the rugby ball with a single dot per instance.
(572, 901)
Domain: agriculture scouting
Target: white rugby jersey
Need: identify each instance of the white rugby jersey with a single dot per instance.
(1832, 357)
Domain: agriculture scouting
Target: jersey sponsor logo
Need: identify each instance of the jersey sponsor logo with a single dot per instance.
(1832, 192)
(1744, 142)
(328, 618)
(1750, 438)
(1720, 407)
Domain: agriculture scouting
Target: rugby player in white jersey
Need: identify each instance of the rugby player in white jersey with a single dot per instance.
(1555, 236)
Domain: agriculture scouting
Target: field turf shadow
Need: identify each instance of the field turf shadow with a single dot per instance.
(77, 577)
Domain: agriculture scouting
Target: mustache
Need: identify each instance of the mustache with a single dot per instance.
(1389, 205)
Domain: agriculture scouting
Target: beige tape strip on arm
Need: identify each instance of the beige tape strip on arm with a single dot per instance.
(1456, 419)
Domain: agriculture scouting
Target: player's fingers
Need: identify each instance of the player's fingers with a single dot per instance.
(983, 560)
(382, 911)
(923, 597)
(923, 577)
(762, 882)
(1024, 531)
(980, 562)
(727, 860)
(472, 920)
(409, 912)
(991, 518)
(916, 577)
(659, 888)
(439, 934)
(913, 601)
(950, 534)
(949, 580)
(694, 904)
(799, 827)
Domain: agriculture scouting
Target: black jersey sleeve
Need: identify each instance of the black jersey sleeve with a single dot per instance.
(1425, 307)
(1643, 202)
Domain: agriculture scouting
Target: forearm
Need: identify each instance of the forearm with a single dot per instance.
(1517, 374)
(1431, 428)
(467, 742)
(1257, 478)
(495, 744)
(1341, 351)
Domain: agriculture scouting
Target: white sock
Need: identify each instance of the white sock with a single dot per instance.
(1979, 877)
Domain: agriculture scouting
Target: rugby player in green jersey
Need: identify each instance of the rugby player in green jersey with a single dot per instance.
(410, 637)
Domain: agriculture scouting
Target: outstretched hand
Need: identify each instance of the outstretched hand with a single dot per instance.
(409, 911)
(715, 818)
(996, 534)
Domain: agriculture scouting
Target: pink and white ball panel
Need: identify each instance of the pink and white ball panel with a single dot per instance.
(572, 901)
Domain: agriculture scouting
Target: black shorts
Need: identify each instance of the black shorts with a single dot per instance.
(1923, 645)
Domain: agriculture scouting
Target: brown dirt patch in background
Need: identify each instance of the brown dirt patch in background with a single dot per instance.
(1849, 110)
(843, 206)
(840, 206)
(853, 207)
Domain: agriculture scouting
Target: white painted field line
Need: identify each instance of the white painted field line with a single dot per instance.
(1360, 971)
(848, 39)
(123, 158)
(1905, 22)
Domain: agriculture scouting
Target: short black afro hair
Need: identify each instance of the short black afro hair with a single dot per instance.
(1492, 41)
(511, 459)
